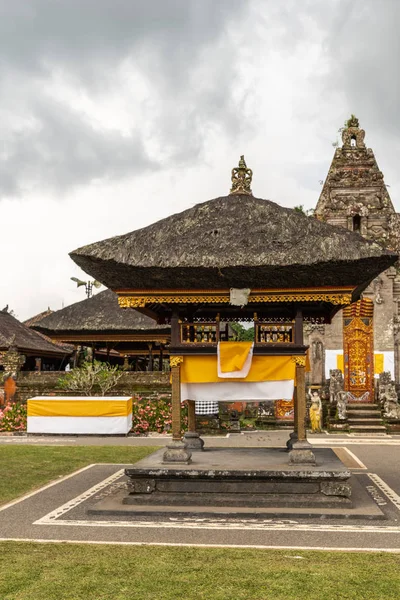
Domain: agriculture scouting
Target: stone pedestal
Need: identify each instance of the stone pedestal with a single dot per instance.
(193, 441)
(301, 453)
(177, 452)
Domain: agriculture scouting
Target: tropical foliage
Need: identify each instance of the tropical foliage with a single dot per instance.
(91, 378)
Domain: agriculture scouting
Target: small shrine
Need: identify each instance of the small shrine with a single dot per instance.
(244, 259)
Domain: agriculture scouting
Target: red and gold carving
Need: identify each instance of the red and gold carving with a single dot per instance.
(284, 410)
(358, 343)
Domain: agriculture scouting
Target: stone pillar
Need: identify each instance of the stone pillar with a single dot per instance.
(176, 451)
(192, 438)
(301, 450)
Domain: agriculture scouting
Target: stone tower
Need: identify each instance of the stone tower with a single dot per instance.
(355, 196)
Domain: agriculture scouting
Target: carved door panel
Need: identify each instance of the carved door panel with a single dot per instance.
(358, 346)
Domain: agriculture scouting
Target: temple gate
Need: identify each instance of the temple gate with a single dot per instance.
(358, 346)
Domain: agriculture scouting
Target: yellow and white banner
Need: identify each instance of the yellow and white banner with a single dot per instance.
(79, 415)
(383, 361)
(234, 359)
(269, 378)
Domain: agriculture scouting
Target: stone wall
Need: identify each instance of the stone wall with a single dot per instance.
(132, 383)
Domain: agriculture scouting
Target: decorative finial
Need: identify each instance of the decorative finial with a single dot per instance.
(241, 179)
(352, 135)
(352, 122)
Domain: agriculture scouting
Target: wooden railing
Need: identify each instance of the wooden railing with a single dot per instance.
(212, 332)
(273, 333)
(200, 333)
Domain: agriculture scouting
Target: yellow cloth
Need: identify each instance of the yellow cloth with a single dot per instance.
(378, 364)
(233, 355)
(203, 369)
(79, 408)
(340, 362)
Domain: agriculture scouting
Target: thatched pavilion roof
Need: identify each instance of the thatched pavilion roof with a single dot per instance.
(99, 314)
(25, 339)
(235, 241)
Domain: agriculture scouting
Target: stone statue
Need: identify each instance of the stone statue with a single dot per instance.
(341, 405)
(335, 384)
(315, 411)
(391, 406)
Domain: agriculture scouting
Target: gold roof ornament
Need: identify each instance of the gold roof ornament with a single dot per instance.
(241, 179)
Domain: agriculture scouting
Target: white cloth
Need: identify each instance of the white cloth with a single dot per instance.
(80, 425)
(235, 391)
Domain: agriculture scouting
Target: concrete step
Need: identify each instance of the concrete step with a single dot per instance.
(367, 428)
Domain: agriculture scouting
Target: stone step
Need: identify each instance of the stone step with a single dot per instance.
(357, 421)
(354, 414)
(368, 428)
(362, 406)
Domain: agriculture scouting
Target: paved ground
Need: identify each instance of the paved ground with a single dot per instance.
(59, 511)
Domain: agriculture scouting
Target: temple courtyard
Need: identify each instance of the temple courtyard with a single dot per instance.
(64, 489)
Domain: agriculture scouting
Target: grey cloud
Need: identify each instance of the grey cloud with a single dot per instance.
(362, 46)
(88, 41)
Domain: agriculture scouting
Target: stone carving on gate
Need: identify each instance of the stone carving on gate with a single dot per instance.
(387, 396)
(335, 384)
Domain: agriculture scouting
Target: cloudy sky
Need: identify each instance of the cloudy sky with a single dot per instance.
(115, 113)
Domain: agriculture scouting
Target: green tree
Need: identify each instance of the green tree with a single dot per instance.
(242, 334)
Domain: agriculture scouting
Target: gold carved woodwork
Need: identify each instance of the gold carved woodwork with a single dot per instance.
(175, 361)
(358, 342)
(139, 299)
(299, 360)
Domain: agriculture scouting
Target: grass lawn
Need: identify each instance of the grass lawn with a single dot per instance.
(75, 572)
(24, 468)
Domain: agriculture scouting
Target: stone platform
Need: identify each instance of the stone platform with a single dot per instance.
(234, 478)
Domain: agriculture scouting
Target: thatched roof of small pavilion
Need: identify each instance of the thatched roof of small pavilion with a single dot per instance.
(27, 341)
(235, 241)
(99, 314)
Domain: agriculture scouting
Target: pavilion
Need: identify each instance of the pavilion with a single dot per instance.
(114, 334)
(236, 258)
(35, 351)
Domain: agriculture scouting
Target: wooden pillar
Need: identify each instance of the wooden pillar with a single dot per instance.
(300, 413)
(298, 339)
(150, 363)
(176, 451)
(176, 397)
(191, 437)
(160, 360)
(301, 450)
(191, 415)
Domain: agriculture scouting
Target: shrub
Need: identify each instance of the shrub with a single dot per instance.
(154, 415)
(91, 378)
(13, 417)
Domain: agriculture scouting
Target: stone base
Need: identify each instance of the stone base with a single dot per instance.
(176, 452)
(301, 453)
(240, 477)
(193, 441)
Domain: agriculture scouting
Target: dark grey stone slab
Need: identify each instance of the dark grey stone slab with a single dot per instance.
(361, 507)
